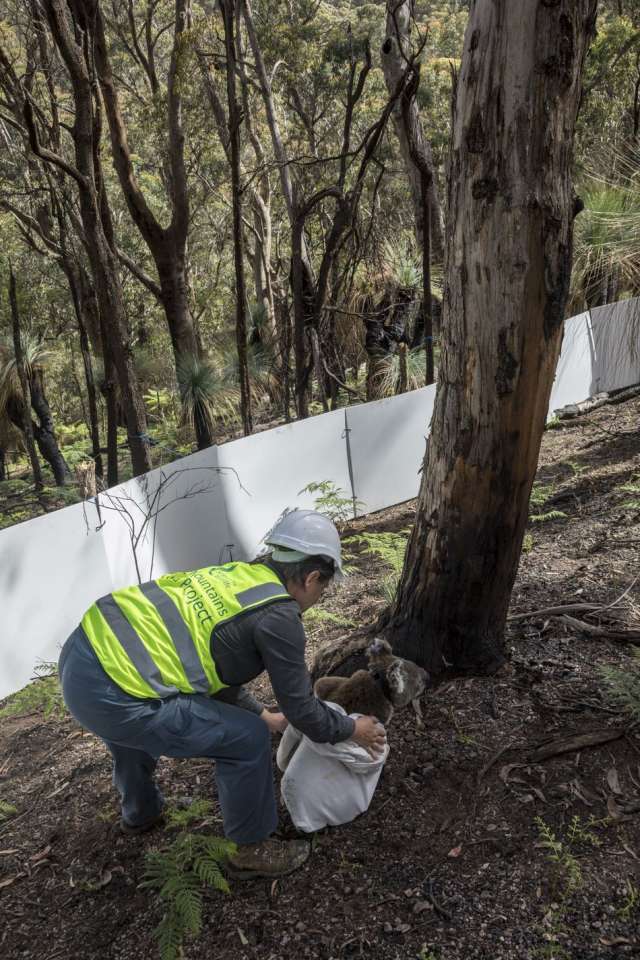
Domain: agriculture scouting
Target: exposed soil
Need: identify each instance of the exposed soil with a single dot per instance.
(448, 862)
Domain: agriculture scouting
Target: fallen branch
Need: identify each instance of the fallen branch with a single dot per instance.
(586, 406)
(572, 607)
(555, 611)
(578, 741)
(617, 636)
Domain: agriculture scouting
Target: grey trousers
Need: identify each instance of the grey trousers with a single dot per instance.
(137, 732)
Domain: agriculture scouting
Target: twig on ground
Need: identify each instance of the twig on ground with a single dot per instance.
(573, 742)
(436, 905)
(494, 759)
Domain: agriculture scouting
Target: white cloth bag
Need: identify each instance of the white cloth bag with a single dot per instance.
(326, 784)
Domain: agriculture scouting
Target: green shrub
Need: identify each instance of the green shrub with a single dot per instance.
(43, 695)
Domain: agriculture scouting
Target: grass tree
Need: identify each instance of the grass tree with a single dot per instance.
(22, 390)
(607, 243)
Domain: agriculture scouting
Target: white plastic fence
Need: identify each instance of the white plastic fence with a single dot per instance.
(219, 503)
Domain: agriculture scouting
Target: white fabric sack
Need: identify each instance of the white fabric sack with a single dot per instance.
(326, 784)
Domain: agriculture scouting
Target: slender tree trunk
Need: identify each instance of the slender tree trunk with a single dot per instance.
(227, 8)
(44, 431)
(70, 37)
(508, 267)
(396, 51)
(108, 387)
(167, 245)
(3, 469)
(94, 429)
(25, 425)
(427, 305)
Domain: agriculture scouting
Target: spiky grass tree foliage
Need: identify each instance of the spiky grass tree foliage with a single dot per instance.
(606, 263)
(198, 385)
(388, 299)
(35, 360)
(12, 403)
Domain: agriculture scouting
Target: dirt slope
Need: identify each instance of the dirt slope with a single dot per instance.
(450, 862)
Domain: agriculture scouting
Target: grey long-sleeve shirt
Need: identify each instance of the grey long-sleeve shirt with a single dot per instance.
(272, 638)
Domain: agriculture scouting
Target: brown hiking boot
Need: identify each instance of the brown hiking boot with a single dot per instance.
(270, 858)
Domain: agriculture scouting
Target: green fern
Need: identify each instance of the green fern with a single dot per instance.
(179, 874)
(550, 515)
(633, 504)
(331, 500)
(567, 869)
(623, 685)
(540, 493)
(43, 695)
(390, 548)
(317, 615)
(7, 810)
(184, 816)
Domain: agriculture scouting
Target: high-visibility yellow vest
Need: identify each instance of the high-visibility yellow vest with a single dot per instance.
(153, 640)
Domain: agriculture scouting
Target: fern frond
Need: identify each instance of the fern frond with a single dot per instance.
(317, 615)
(169, 933)
(179, 874)
(544, 517)
(6, 810)
(188, 904)
(200, 809)
(623, 685)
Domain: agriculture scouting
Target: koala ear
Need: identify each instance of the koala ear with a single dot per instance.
(378, 648)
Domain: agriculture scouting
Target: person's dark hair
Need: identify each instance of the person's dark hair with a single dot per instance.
(299, 571)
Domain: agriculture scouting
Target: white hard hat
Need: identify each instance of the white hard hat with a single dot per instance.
(309, 533)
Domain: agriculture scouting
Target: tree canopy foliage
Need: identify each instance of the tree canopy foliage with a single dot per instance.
(333, 297)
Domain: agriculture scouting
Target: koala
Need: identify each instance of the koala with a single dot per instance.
(389, 683)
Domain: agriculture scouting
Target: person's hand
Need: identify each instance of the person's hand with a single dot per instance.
(277, 722)
(370, 734)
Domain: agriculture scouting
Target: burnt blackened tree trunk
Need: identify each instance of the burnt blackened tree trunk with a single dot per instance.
(507, 271)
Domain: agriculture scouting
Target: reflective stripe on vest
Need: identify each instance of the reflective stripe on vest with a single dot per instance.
(153, 640)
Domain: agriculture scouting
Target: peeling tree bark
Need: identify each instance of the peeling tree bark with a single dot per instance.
(507, 272)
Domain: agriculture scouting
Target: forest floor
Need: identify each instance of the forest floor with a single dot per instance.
(474, 846)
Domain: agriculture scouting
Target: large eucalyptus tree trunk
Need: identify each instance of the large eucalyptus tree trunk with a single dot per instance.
(508, 266)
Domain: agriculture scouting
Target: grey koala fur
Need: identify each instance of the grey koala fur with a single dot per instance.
(389, 683)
